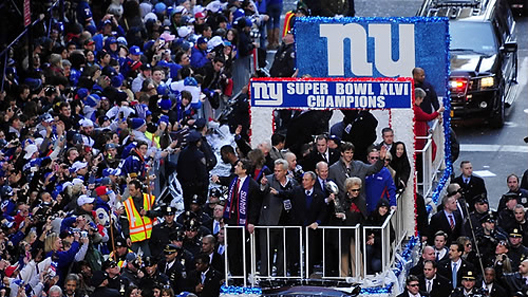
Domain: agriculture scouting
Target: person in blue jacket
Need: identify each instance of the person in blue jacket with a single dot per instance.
(199, 55)
(379, 185)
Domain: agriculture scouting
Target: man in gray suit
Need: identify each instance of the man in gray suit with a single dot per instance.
(274, 212)
(348, 167)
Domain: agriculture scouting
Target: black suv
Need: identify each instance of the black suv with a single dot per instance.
(483, 56)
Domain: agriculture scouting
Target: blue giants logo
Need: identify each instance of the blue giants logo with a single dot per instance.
(373, 47)
(336, 34)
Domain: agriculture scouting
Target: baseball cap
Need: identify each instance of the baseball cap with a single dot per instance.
(135, 50)
(84, 199)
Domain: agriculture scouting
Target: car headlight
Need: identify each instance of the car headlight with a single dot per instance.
(487, 82)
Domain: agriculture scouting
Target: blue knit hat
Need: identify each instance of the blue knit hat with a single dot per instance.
(137, 123)
(190, 81)
(164, 119)
(165, 104)
(92, 100)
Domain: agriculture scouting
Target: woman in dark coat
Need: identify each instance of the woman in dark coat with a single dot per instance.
(374, 240)
(400, 163)
(354, 213)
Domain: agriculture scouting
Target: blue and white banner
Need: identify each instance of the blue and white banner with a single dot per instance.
(373, 47)
(331, 93)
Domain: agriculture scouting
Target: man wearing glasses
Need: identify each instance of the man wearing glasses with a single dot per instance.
(379, 185)
(412, 288)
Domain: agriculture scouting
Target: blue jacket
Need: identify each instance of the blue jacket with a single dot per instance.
(377, 186)
(198, 58)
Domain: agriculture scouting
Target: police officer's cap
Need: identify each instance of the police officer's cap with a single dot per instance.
(171, 249)
(192, 225)
(215, 192)
(194, 136)
(515, 233)
(469, 275)
(489, 218)
(510, 196)
(481, 199)
(99, 277)
(177, 236)
(195, 199)
(121, 242)
(149, 261)
(168, 210)
(109, 263)
(189, 215)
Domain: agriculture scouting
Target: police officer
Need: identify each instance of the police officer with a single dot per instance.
(132, 269)
(192, 241)
(115, 280)
(192, 169)
(121, 252)
(185, 257)
(481, 206)
(172, 267)
(284, 62)
(468, 287)
(152, 277)
(200, 125)
(100, 282)
(159, 238)
(489, 236)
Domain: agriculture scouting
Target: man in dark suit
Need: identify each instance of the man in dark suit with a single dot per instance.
(321, 153)
(489, 283)
(308, 209)
(274, 212)
(472, 185)
(455, 266)
(215, 259)
(433, 283)
(242, 209)
(447, 220)
(412, 288)
(205, 280)
(428, 253)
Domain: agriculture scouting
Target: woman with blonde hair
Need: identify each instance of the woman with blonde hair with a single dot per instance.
(354, 208)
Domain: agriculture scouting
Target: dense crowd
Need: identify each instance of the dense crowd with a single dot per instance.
(111, 101)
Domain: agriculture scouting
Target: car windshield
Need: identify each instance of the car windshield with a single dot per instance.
(474, 37)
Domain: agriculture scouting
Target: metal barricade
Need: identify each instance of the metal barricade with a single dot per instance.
(386, 249)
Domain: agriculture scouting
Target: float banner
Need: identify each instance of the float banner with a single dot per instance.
(373, 47)
(332, 93)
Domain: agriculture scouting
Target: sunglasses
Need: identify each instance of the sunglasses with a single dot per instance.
(413, 285)
(355, 190)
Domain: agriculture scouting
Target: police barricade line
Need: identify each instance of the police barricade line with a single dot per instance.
(387, 247)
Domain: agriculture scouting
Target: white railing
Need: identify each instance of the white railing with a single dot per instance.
(356, 258)
(386, 247)
(430, 166)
